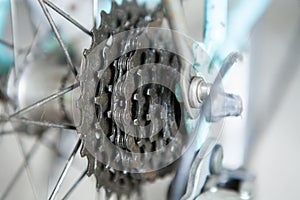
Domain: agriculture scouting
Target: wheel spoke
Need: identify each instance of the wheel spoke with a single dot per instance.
(58, 36)
(7, 132)
(4, 119)
(51, 146)
(39, 123)
(13, 29)
(6, 99)
(9, 45)
(33, 43)
(74, 185)
(13, 117)
(24, 165)
(67, 17)
(45, 100)
(65, 170)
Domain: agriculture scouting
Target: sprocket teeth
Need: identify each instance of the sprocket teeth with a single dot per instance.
(121, 182)
(148, 117)
(110, 88)
(109, 114)
(104, 17)
(114, 6)
(91, 166)
(97, 100)
(141, 142)
(136, 122)
(98, 126)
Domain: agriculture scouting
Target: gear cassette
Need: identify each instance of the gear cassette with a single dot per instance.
(124, 115)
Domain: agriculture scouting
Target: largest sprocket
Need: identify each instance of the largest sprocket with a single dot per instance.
(105, 113)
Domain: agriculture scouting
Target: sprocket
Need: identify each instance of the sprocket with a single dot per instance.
(105, 114)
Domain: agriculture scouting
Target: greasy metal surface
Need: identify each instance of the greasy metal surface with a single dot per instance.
(200, 127)
(198, 91)
(106, 114)
(200, 170)
(176, 19)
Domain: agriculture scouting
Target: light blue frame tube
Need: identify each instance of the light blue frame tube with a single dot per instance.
(6, 59)
(241, 21)
(215, 20)
(223, 36)
(215, 30)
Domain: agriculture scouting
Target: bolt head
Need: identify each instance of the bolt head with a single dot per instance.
(216, 160)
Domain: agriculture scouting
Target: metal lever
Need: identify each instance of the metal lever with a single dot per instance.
(207, 161)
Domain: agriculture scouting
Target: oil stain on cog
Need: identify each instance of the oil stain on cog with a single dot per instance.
(128, 115)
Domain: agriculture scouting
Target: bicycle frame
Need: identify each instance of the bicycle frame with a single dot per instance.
(6, 59)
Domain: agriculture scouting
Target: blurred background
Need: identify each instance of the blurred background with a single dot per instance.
(274, 101)
(268, 80)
